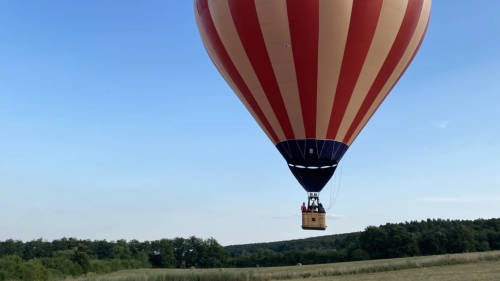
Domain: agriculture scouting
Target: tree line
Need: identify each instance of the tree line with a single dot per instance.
(430, 237)
(43, 260)
(326, 242)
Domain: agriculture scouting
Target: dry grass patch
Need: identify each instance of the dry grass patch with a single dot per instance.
(318, 272)
(484, 271)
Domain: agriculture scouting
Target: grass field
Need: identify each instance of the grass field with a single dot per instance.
(484, 271)
(473, 266)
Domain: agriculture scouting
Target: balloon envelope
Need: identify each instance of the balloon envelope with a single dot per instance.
(312, 72)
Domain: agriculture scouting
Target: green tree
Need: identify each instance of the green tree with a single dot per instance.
(197, 250)
(143, 258)
(359, 255)
(180, 250)
(121, 250)
(103, 249)
(374, 241)
(81, 257)
(63, 265)
(401, 243)
(494, 240)
(11, 247)
(135, 247)
(481, 238)
(166, 249)
(461, 240)
(433, 243)
(217, 255)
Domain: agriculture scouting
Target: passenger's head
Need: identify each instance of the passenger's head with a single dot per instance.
(304, 203)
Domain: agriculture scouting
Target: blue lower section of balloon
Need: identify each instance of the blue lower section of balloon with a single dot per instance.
(312, 162)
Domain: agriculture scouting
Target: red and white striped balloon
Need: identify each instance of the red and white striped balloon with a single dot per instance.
(312, 69)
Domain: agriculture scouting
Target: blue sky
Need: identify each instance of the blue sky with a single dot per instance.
(114, 124)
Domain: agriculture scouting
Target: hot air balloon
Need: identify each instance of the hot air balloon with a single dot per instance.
(312, 72)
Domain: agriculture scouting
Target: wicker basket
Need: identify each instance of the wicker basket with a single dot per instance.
(313, 220)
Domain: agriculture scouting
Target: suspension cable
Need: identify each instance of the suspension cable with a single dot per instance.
(340, 181)
(338, 187)
(333, 182)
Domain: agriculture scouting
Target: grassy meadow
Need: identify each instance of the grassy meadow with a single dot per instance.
(471, 266)
(484, 271)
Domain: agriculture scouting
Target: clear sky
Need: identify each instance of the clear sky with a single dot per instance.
(114, 124)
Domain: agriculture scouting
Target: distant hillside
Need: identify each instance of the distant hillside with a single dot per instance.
(429, 236)
(321, 243)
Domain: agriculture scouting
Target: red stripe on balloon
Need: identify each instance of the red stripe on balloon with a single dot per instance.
(227, 63)
(398, 49)
(404, 70)
(364, 20)
(303, 18)
(246, 20)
